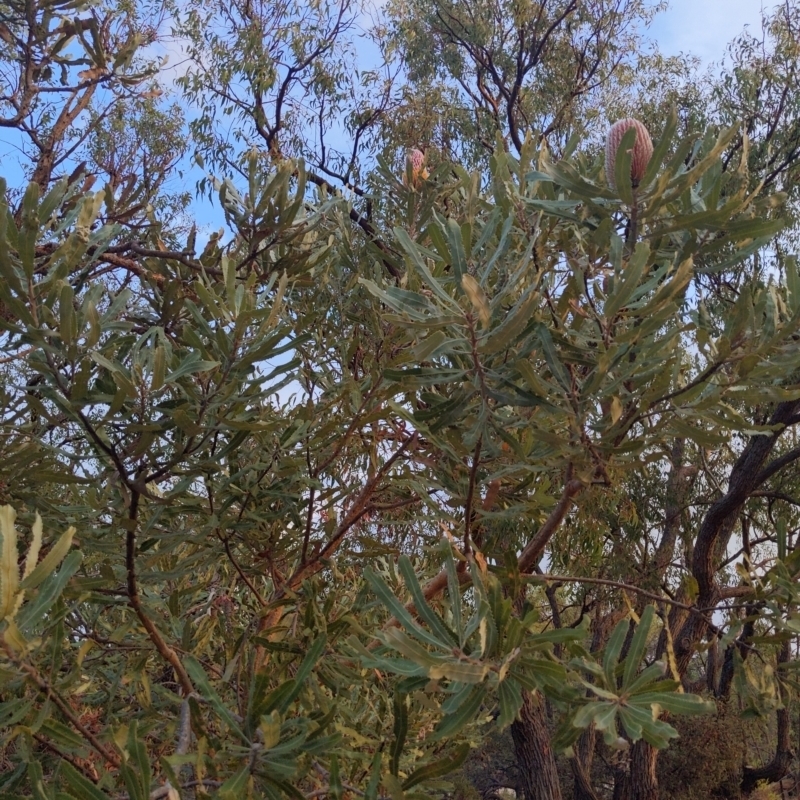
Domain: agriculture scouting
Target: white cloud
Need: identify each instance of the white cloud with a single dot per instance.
(705, 27)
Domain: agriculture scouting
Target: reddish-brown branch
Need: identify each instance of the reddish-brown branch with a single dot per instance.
(529, 557)
(45, 688)
(357, 510)
(535, 548)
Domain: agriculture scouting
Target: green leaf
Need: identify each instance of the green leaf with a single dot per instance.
(304, 670)
(138, 753)
(454, 591)
(401, 642)
(235, 788)
(551, 356)
(512, 326)
(510, 698)
(638, 646)
(190, 365)
(36, 778)
(424, 611)
(456, 242)
(200, 680)
(792, 280)
(584, 716)
(605, 715)
(132, 783)
(676, 702)
(371, 792)
(335, 781)
(622, 166)
(661, 148)
(631, 723)
(453, 723)
(612, 651)
(400, 731)
(12, 711)
(438, 768)
(413, 250)
(85, 788)
(30, 229)
(48, 564)
(649, 677)
(49, 591)
(630, 279)
(397, 609)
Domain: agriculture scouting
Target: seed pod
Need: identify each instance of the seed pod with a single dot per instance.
(642, 149)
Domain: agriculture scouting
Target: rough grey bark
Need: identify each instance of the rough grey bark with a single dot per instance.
(643, 783)
(535, 757)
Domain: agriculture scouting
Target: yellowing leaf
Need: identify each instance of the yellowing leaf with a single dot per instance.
(615, 409)
(50, 561)
(477, 298)
(9, 572)
(33, 550)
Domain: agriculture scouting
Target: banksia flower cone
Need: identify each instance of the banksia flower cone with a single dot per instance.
(642, 149)
(416, 160)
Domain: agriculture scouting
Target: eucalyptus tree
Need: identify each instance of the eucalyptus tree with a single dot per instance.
(516, 68)
(80, 97)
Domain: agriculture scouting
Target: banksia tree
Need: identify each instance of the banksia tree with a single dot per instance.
(640, 155)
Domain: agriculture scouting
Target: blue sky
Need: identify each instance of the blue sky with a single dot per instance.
(704, 27)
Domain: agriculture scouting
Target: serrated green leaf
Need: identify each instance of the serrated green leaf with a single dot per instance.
(423, 609)
(400, 731)
(235, 787)
(509, 695)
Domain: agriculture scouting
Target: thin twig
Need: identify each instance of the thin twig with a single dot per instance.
(45, 688)
(226, 544)
(701, 612)
(473, 476)
(92, 776)
(166, 652)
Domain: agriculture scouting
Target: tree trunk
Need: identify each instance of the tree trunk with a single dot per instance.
(535, 758)
(643, 781)
(582, 766)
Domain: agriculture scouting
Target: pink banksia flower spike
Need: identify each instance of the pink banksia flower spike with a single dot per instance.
(416, 160)
(642, 149)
